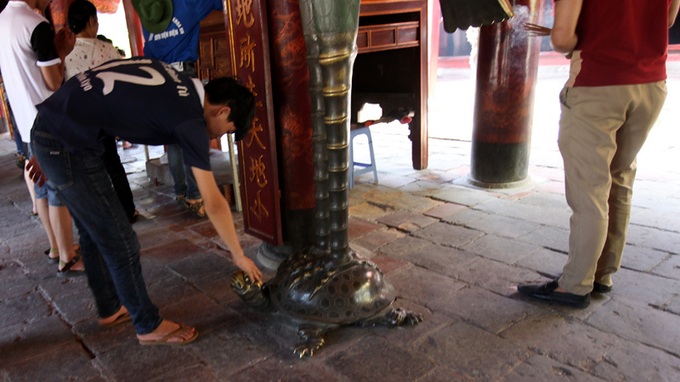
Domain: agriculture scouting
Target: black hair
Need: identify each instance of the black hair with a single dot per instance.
(104, 38)
(230, 92)
(80, 12)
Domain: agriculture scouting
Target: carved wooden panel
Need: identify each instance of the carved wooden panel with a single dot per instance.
(213, 49)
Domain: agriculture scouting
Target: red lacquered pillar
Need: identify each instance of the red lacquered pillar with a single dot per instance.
(506, 77)
(293, 105)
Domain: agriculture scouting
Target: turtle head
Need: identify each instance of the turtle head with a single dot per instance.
(252, 293)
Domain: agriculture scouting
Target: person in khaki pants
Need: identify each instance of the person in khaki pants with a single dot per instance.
(615, 91)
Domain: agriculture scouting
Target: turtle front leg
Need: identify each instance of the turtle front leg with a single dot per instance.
(312, 340)
(401, 317)
(394, 317)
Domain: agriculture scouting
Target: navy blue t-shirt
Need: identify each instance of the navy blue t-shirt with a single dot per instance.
(140, 100)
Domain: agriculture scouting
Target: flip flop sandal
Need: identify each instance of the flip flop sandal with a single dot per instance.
(166, 339)
(66, 271)
(125, 317)
(197, 208)
(50, 259)
(21, 161)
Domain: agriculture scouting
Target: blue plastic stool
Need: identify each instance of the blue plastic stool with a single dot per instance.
(364, 168)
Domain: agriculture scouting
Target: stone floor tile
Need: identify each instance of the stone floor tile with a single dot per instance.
(448, 234)
(374, 358)
(23, 309)
(238, 345)
(445, 210)
(644, 259)
(412, 283)
(503, 226)
(407, 221)
(368, 211)
(556, 239)
(463, 195)
(473, 352)
(643, 288)
(376, 239)
(500, 248)
(466, 217)
(563, 339)
(488, 310)
(444, 374)
(553, 216)
(68, 362)
(439, 259)
(662, 217)
(399, 200)
(360, 228)
(661, 240)
(13, 281)
(37, 335)
(540, 368)
(171, 250)
(492, 275)
(192, 373)
(275, 369)
(388, 264)
(402, 247)
(146, 362)
(670, 267)
(648, 326)
(633, 361)
(545, 262)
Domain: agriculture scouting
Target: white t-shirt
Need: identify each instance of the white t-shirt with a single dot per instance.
(21, 60)
(88, 53)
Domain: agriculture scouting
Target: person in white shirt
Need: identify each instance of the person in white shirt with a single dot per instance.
(32, 62)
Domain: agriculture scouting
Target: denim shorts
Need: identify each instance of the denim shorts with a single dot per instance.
(45, 191)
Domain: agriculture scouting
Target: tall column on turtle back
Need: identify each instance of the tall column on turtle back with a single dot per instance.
(330, 29)
(290, 78)
(506, 79)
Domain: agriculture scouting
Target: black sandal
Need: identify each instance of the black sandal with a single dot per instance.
(50, 259)
(65, 268)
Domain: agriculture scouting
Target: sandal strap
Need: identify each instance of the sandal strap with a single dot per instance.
(65, 267)
(197, 208)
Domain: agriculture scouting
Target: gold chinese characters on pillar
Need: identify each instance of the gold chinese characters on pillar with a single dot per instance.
(249, 45)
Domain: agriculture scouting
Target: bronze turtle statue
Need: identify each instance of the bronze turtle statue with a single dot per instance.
(324, 298)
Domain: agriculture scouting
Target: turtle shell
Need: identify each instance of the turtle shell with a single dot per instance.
(304, 288)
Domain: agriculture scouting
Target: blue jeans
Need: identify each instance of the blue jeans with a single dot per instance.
(185, 183)
(108, 245)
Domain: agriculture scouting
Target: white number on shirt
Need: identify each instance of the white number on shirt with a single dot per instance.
(110, 78)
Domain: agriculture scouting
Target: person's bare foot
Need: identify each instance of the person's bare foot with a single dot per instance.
(119, 317)
(169, 333)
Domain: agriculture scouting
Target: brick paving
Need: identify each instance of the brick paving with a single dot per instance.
(454, 252)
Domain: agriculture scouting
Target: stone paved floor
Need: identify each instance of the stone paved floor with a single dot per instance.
(455, 254)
